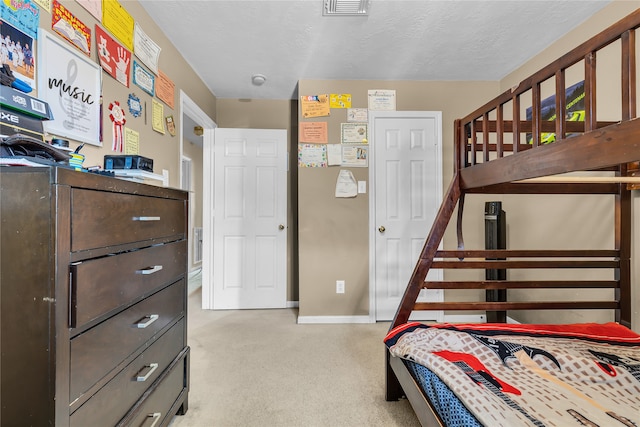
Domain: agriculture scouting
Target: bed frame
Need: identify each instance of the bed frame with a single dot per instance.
(496, 155)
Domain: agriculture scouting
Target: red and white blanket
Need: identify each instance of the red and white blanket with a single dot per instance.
(542, 375)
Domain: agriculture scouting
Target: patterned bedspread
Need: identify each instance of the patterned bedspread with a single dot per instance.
(541, 375)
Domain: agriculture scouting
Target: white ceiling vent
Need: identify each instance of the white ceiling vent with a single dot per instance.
(346, 7)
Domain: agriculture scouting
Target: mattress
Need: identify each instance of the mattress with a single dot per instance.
(523, 375)
(449, 408)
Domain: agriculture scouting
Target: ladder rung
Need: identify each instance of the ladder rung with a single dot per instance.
(522, 284)
(505, 264)
(501, 306)
(515, 253)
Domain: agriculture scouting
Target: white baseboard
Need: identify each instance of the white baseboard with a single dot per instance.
(333, 319)
(292, 304)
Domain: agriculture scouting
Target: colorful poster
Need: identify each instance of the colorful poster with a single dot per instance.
(314, 106)
(117, 20)
(146, 49)
(71, 84)
(357, 115)
(165, 89)
(355, 156)
(131, 142)
(71, 28)
(114, 58)
(94, 7)
(312, 155)
(22, 14)
(44, 4)
(340, 100)
(171, 125)
(17, 51)
(157, 116)
(143, 78)
(354, 133)
(313, 132)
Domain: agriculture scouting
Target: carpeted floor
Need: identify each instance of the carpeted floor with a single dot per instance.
(260, 368)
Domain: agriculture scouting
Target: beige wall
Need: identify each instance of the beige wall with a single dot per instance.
(334, 233)
(163, 149)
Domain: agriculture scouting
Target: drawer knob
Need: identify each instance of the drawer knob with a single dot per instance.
(150, 319)
(150, 370)
(146, 218)
(150, 270)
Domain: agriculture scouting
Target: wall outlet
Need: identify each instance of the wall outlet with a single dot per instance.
(339, 286)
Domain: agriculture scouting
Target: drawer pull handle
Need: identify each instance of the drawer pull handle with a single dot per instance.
(151, 369)
(149, 270)
(155, 417)
(151, 318)
(146, 218)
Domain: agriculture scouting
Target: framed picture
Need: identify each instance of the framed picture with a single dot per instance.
(70, 84)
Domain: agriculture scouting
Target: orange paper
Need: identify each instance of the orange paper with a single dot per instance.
(313, 132)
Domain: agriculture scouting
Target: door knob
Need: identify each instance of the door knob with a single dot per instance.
(281, 227)
(381, 229)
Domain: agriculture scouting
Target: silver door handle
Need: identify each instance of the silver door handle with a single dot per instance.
(281, 227)
(381, 229)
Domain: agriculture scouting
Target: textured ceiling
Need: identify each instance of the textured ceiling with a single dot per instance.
(228, 41)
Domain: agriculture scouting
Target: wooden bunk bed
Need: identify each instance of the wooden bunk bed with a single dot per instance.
(498, 150)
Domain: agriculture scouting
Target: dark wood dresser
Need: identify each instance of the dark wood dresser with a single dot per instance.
(93, 294)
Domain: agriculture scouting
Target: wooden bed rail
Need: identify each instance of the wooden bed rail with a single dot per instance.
(488, 136)
(495, 155)
(530, 259)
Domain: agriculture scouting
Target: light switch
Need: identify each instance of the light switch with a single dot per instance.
(362, 187)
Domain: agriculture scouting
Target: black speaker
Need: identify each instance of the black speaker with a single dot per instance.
(495, 237)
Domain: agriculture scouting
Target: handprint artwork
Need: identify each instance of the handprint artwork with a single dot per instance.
(122, 66)
(114, 58)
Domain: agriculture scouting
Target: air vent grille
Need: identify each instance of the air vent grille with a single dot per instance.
(346, 8)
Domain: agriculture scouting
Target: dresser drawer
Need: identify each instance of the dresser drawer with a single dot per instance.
(100, 219)
(156, 409)
(97, 351)
(130, 384)
(101, 285)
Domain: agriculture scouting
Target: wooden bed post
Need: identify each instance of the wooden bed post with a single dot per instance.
(623, 244)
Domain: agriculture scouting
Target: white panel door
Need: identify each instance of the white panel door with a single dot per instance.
(250, 219)
(407, 191)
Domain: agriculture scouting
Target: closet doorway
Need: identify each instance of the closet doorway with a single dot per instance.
(405, 174)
